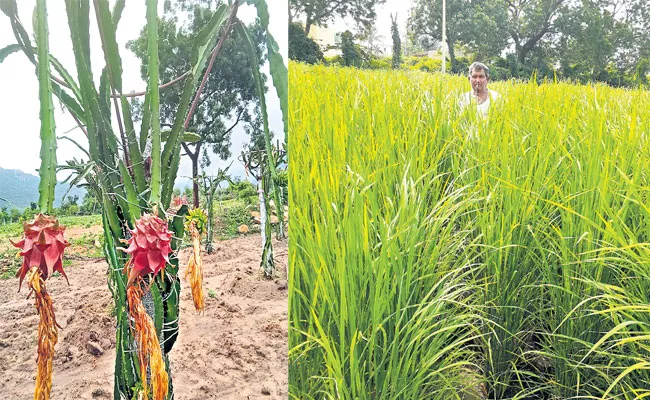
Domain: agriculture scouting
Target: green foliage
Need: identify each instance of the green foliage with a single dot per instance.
(301, 47)
(14, 214)
(90, 204)
(282, 182)
(229, 88)
(229, 91)
(586, 41)
(244, 189)
(350, 52)
(417, 63)
(479, 25)
(320, 12)
(336, 60)
(426, 64)
(200, 219)
(377, 63)
(397, 43)
(70, 206)
(527, 235)
(28, 215)
(230, 219)
(118, 176)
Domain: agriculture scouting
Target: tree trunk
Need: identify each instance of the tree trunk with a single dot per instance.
(452, 55)
(195, 184)
(195, 172)
(308, 24)
(522, 51)
(521, 55)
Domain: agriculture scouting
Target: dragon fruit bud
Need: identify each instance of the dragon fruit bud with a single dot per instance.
(149, 246)
(42, 246)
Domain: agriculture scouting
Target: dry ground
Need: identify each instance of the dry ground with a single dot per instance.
(237, 349)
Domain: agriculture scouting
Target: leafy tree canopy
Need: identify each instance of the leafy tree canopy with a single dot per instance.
(229, 97)
(321, 12)
(301, 47)
(603, 40)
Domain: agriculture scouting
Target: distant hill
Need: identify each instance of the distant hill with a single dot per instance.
(21, 189)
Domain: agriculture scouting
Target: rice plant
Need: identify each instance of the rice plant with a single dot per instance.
(440, 255)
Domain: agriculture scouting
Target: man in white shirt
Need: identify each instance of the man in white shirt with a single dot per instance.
(480, 96)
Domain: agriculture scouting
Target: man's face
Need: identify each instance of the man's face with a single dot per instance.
(478, 80)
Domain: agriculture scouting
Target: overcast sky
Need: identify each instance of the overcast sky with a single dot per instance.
(19, 104)
(382, 23)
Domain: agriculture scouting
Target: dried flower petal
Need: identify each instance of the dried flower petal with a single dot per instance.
(149, 352)
(47, 335)
(195, 269)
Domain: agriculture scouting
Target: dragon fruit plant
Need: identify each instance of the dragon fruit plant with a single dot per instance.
(42, 249)
(143, 278)
(43, 243)
(258, 163)
(149, 248)
(208, 187)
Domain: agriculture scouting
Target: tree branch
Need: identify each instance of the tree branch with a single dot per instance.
(187, 150)
(134, 94)
(236, 122)
(217, 48)
(327, 11)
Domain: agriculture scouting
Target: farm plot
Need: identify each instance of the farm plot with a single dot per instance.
(236, 348)
(438, 255)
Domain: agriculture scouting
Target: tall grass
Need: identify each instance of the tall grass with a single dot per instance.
(436, 255)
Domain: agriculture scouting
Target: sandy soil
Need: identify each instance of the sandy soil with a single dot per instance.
(237, 349)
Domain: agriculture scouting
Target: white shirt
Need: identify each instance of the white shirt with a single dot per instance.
(469, 98)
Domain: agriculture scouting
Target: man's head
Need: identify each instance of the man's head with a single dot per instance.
(479, 75)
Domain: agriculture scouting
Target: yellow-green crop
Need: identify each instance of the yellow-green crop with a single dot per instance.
(436, 255)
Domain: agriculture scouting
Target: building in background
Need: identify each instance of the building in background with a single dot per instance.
(328, 38)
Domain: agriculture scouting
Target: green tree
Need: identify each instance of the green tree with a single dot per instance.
(90, 205)
(320, 12)
(14, 214)
(301, 47)
(602, 40)
(476, 24)
(28, 214)
(397, 43)
(70, 206)
(229, 93)
(350, 51)
(529, 22)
